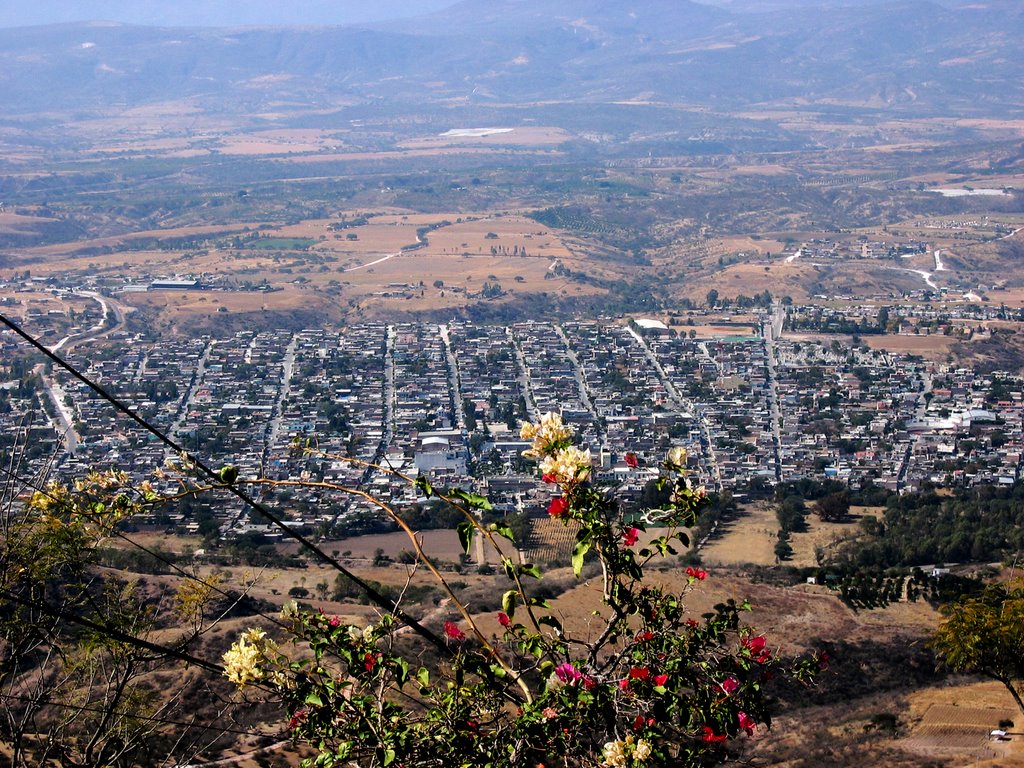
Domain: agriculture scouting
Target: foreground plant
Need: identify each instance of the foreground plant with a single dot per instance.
(645, 684)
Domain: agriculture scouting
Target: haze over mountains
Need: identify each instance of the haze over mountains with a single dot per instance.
(919, 56)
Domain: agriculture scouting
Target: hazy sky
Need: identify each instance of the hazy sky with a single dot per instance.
(17, 13)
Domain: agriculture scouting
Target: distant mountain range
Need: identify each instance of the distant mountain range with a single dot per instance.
(918, 56)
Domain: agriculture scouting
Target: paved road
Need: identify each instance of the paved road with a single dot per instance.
(453, 377)
(769, 328)
(524, 377)
(274, 430)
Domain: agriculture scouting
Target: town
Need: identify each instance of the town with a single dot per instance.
(754, 403)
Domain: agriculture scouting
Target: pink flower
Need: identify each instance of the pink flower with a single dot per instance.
(549, 713)
(452, 631)
(710, 737)
(747, 723)
(568, 674)
(558, 506)
(629, 537)
(631, 461)
(503, 619)
(334, 621)
(730, 685)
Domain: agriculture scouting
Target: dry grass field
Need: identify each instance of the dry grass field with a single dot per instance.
(933, 347)
(748, 539)
(824, 535)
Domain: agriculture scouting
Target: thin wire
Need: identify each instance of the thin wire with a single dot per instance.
(113, 632)
(378, 598)
(151, 552)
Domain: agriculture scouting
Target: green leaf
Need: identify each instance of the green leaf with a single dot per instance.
(423, 676)
(498, 671)
(479, 502)
(313, 699)
(508, 602)
(578, 553)
(552, 622)
(529, 569)
(424, 485)
(389, 756)
(502, 530)
(228, 475)
(465, 531)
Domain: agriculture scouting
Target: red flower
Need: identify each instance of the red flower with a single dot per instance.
(730, 685)
(632, 461)
(638, 724)
(710, 737)
(549, 478)
(644, 636)
(558, 506)
(757, 647)
(369, 661)
(692, 623)
(639, 673)
(696, 573)
(823, 659)
(503, 619)
(660, 679)
(747, 723)
(629, 537)
(452, 631)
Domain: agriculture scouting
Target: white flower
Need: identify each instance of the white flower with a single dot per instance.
(614, 754)
(567, 465)
(368, 632)
(677, 456)
(242, 660)
(642, 750)
(547, 436)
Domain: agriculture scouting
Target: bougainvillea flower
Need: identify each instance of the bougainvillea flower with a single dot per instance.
(757, 647)
(629, 537)
(660, 679)
(639, 673)
(730, 685)
(747, 723)
(709, 735)
(503, 619)
(696, 573)
(452, 631)
(568, 674)
(558, 506)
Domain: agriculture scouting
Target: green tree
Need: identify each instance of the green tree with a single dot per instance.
(985, 635)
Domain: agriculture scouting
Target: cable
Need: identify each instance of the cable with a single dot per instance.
(375, 596)
(113, 632)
